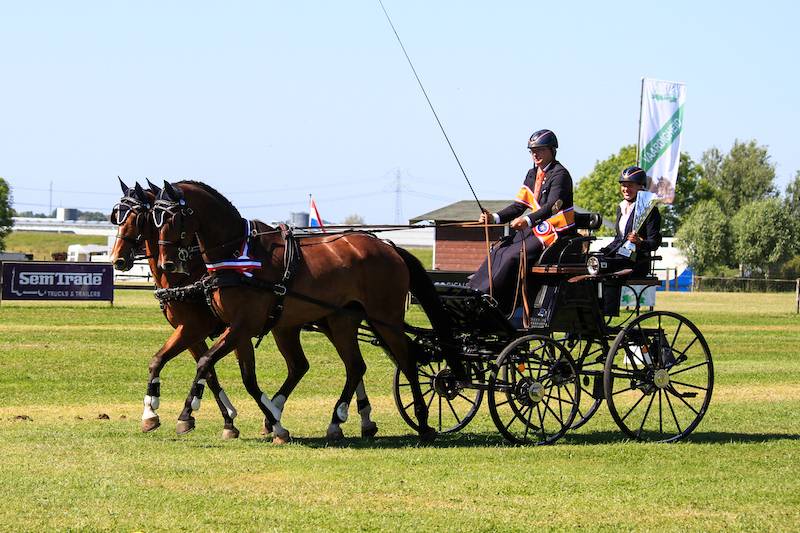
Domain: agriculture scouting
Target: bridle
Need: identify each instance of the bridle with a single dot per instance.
(120, 213)
(161, 209)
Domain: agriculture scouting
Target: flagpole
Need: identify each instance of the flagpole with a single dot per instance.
(639, 133)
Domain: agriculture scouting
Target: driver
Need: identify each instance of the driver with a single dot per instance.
(547, 192)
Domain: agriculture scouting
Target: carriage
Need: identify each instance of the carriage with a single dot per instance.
(541, 377)
(552, 373)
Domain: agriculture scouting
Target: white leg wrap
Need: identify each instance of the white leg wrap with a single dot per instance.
(361, 394)
(195, 399)
(342, 411)
(150, 406)
(227, 403)
(365, 412)
(279, 400)
(266, 402)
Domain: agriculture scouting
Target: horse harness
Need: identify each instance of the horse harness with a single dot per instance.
(224, 278)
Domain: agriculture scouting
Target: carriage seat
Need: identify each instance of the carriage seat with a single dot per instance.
(566, 255)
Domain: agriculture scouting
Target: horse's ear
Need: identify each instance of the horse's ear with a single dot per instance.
(124, 187)
(172, 193)
(139, 193)
(153, 187)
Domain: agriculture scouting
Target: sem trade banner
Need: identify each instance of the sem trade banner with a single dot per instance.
(34, 280)
(660, 134)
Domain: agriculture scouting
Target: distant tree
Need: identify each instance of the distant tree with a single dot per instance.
(705, 237)
(599, 191)
(688, 192)
(354, 220)
(765, 235)
(792, 197)
(92, 215)
(6, 222)
(742, 176)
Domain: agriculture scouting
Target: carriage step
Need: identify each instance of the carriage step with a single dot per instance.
(688, 395)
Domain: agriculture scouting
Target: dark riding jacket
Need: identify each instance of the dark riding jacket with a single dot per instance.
(557, 185)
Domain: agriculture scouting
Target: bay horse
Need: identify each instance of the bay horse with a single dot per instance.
(193, 320)
(343, 278)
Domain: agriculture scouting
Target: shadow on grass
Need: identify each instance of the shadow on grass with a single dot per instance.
(697, 437)
(483, 440)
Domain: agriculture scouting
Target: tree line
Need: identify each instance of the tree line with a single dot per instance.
(727, 213)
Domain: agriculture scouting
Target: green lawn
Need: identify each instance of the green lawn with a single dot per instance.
(64, 468)
(43, 243)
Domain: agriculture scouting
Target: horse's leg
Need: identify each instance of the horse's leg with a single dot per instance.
(229, 430)
(288, 344)
(224, 345)
(247, 366)
(350, 352)
(180, 340)
(399, 346)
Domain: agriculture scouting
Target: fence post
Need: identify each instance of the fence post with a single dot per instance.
(666, 280)
(797, 295)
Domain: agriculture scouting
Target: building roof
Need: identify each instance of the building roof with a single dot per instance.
(468, 210)
(463, 211)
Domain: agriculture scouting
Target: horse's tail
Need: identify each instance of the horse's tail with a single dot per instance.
(423, 290)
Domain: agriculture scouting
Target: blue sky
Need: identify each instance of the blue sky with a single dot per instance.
(271, 101)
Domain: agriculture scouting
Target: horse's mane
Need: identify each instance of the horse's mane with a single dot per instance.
(213, 192)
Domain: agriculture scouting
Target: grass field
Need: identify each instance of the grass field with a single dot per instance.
(43, 243)
(64, 468)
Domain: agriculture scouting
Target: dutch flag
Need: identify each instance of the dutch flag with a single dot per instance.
(314, 220)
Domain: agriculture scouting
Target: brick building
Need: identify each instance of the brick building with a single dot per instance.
(458, 248)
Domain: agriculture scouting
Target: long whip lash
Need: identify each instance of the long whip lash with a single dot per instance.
(424, 92)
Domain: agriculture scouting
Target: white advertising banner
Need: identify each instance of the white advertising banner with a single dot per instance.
(660, 134)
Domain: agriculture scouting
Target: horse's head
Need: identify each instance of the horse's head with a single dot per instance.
(176, 229)
(130, 216)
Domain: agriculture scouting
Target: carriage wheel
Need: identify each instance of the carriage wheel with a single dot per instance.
(451, 406)
(589, 356)
(534, 392)
(659, 377)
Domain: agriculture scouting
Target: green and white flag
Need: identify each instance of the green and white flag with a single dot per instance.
(660, 134)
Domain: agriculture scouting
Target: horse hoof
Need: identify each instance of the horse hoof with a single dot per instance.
(230, 433)
(184, 426)
(150, 424)
(335, 435)
(367, 432)
(428, 435)
(282, 437)
(266, 429)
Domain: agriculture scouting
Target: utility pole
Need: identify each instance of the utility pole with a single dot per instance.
(398, 199)
(50, 209)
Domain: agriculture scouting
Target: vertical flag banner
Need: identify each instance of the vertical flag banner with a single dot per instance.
(660, 129)
(314, 220)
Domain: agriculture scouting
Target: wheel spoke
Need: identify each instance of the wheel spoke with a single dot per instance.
(678, 396)
(452, 410)
(541, 421)
(689, 346)
(527, 425)
(660, 423)
(675, 337)
(688, 368)
(440, 413)
(548, 408)
(643, 396)
(674, 416)
(673, 382)
(644, 418)
(623, 390)
(460, 395)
